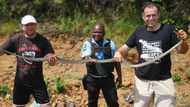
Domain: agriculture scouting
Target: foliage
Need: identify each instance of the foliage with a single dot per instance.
(157, 0)
(8, 27)
(88, 25)
(59, 88)
(168, 21)
(79, 24)
(118, 29)
(176, 77)
(121, 29)
(78, 16)
(3, 8)
(4, 90)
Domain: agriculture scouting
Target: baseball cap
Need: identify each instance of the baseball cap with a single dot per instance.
(28, 19)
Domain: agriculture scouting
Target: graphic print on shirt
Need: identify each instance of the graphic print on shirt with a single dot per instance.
(150, 50)
(29, 52)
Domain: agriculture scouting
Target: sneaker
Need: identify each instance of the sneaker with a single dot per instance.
(35, 104)
(129, 98)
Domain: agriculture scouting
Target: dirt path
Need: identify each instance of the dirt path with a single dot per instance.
(69, 46)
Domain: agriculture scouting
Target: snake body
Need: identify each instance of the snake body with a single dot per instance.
(81, 61)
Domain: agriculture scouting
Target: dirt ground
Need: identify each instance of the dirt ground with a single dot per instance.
(69, 47)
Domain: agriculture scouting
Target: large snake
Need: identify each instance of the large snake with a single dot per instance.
(81, 61)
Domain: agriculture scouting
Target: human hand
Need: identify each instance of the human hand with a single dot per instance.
(51, 58)
(181, 34)
(118, 82)
(90, 60)
(118, 57)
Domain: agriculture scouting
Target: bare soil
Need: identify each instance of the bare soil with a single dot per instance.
(69, 47)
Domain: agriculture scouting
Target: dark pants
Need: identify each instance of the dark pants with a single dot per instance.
(108, 88)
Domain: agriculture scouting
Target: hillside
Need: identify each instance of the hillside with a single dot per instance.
(68, 46)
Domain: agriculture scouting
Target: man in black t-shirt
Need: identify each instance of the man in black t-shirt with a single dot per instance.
(29, 78)
(152, 40)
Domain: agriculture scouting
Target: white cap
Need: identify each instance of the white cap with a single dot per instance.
(28, 19)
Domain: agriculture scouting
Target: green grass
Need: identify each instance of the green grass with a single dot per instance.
(64, 83)
(79, 24)
(8, 27)
(118, 30)
(4, 90)
(59, 87)
(176, 77)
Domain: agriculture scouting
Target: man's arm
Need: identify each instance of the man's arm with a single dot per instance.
(121, 53)
(86, 50)
(51, 58)
(119, 74)
(183, 48)
(117, 66)
(8, 45)
(49, 53)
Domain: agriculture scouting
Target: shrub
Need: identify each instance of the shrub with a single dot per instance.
(59, 88)
(176, 78)
(8, 27)
(4, 90)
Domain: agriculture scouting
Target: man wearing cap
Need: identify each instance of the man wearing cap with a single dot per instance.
(99, 76)
(29, 78)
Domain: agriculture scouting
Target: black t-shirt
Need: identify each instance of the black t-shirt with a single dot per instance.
(29, 47)
(150, 45)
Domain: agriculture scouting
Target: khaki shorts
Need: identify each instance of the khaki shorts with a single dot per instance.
(163, 92)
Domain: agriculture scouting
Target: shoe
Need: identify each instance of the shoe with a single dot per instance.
(129, 98)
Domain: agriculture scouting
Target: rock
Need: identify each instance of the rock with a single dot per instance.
(10, 66)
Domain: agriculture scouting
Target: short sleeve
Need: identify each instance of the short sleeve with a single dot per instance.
(174, 38)
(9, 45)
(131, 42)
(113, 47)
(86, 49)
(48, 47)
